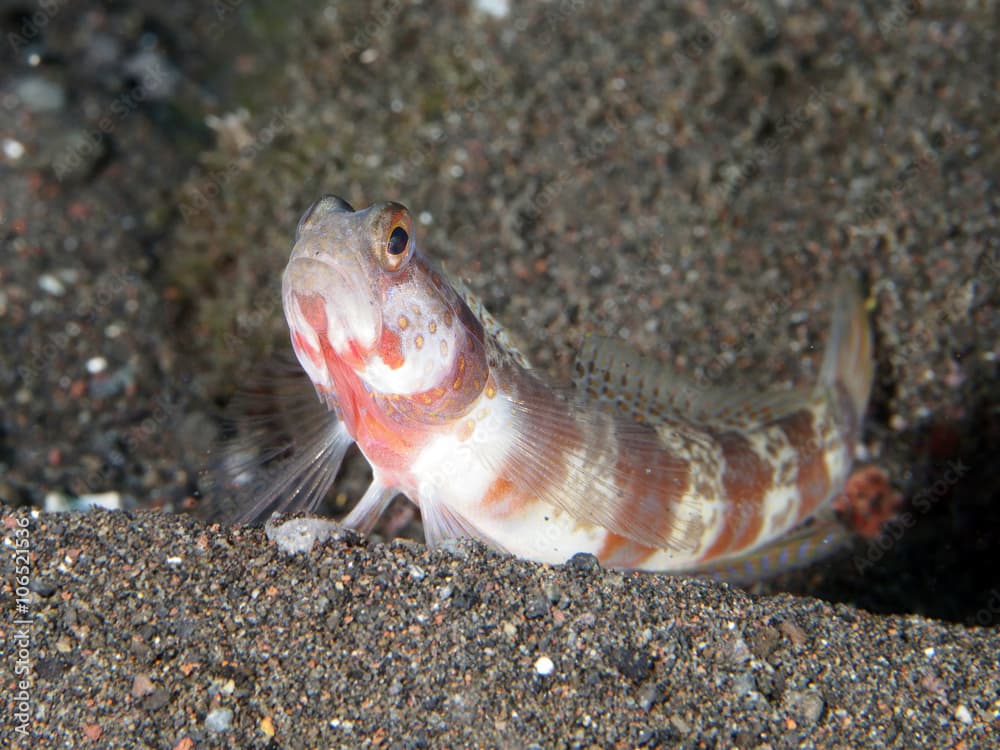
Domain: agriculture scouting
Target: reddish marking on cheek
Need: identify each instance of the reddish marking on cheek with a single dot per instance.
(356, 356)
(390, 349)
(314, 311)
(304, 347)
(387, 442)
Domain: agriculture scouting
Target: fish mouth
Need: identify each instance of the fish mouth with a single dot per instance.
(331, 311)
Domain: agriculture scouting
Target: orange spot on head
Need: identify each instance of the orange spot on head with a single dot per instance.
(444, 348)
(390, 349)
(419, 341)
(432, 327)
(403, 322)
(448, 317)
(355, 354)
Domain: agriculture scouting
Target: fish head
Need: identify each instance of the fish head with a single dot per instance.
(366, 310)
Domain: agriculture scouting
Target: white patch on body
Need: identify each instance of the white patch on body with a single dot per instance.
(458, 472)
(781, 501)
(428, 347)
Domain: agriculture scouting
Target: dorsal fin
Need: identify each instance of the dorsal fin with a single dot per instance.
(609, 371)
(490, 324)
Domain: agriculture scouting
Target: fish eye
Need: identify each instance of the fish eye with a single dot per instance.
(398, 241)
(393, 240)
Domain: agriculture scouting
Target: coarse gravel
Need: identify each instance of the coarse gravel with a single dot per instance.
(149, 630)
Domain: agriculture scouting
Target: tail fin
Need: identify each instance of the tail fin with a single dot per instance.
(849, 365)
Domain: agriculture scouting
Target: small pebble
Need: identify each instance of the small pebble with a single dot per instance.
(544, 666)
(44, 589)
(805, 706)
(39, 94)
(142, 685)
(300, 535)
(495, 8)
(584, 562)
(551, 591)
(219, 720)
(12, 149)
(96, 365)
(50, 284)
(536, 608)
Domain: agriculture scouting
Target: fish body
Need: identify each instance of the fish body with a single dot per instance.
(639, 469)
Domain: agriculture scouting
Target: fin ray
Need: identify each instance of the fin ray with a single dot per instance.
(590, 482)
(802, 547)
(490, 324)
(441, 523)
(285, 455)
(609, 371)
(849, 362)
(370, 507)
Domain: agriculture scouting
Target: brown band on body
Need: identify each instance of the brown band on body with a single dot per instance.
(651, 482)
(532, 470)
(812, 479)
(746, 479)
(619, 551)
